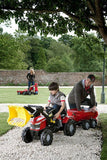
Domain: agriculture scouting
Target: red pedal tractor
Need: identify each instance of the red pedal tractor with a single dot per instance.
(43, 125)
(32, 90)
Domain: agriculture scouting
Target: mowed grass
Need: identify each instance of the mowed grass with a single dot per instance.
(9, 95)
(4, 127)
(103, 120)
(98, 95)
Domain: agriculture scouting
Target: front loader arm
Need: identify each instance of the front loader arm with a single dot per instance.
(37, 111)
(19, 116)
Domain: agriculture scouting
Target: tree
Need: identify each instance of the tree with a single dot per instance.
(23, 43)
(11, 55)
(66, 39)
(33, 52)
(45, 42)
(58, 57)
(41, 61)
(57, 65)
(87, 54)
(1, 30)
(36, 54)
(47, 15)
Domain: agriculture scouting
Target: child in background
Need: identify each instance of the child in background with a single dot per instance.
(31, 78)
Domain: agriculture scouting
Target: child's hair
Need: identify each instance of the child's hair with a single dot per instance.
(32, 70)
(53, 86)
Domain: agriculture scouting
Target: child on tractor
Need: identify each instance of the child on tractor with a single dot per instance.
(56, 100)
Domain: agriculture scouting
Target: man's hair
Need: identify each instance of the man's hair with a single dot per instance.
(91, 77)
(53, 86)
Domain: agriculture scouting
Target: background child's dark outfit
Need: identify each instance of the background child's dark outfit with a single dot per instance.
(30, 78)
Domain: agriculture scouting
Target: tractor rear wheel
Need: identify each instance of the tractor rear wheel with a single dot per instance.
(46, 137)
(26, 135)
(70, 128)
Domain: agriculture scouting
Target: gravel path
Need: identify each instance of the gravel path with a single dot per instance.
(84, 145)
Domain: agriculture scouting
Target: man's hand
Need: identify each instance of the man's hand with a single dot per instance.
(79, 109)
(93, 109)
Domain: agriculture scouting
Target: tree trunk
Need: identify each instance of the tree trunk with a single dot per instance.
(103, 33)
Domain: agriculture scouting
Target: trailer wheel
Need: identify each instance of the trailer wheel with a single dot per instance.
(46, 137)
(29, 93)
(70, 128)
(86, 124)
(26, 135)
(24, 93)
(93, 123)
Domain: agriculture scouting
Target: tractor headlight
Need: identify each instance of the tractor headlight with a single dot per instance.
(35, 127)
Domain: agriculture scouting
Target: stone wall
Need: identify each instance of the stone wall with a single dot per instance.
(42, 77)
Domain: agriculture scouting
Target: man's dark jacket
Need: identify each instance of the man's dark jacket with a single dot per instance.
(78, 94)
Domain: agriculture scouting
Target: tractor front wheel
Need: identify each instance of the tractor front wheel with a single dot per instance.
(26, 135)
(46, 137)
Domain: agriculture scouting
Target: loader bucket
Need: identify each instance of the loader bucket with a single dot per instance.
(18, 116)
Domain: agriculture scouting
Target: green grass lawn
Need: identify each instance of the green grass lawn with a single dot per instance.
(98, 95)
(103, 120)
(4, 127)
(9, 95)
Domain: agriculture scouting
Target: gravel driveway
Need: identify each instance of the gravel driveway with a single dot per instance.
(84, 145)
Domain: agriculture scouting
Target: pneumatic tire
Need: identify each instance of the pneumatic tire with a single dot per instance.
(70, 128)
(93, 123)
(86, 124)
(26, 135)
(46, 137)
